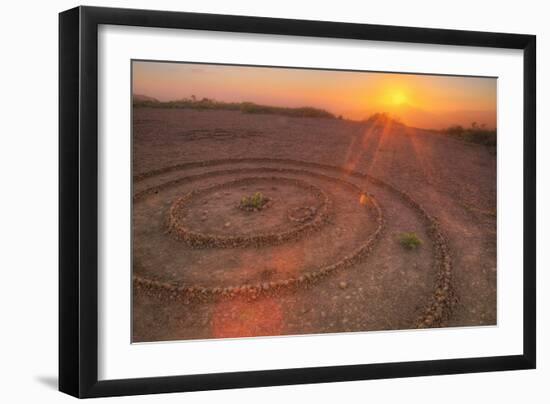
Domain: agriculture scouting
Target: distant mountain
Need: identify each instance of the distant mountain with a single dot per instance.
(141, 98)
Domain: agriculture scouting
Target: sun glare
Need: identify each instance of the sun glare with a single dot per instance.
(398, 98)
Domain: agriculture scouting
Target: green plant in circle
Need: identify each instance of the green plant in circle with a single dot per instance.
(253, 202)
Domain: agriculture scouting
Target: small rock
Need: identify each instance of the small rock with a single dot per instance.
(343, 285)
(227, 224)
(428, 321)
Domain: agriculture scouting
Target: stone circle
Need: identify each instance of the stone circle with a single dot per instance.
(302, 220)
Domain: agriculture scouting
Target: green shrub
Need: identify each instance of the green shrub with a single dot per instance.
(383, 119)
(410, 241)
(254, 202)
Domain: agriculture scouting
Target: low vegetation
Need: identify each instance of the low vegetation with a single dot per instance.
(301, 112)
(253, 202)
(382, 119)
(244, 107)
(410, 241)
(474, 134)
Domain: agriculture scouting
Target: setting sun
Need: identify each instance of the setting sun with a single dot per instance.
(398, 98)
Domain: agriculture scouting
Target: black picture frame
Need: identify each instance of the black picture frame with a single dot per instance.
(78, 200)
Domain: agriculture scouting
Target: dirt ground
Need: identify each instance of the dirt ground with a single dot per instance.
(331, 271)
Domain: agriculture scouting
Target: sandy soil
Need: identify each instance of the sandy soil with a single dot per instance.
(388, 288)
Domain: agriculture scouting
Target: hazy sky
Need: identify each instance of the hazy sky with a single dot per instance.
(419, 100)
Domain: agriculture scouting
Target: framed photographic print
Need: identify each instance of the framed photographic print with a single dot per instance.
(251, 201)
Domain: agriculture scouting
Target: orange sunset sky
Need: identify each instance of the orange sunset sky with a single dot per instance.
(423, 101)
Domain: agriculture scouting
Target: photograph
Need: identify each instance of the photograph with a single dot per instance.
(270, 203)
(273, 200)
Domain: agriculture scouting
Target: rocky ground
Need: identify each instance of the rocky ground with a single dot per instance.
(334, 283)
